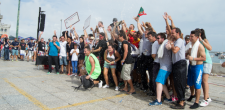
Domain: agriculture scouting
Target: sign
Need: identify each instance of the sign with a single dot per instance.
(73, 19)
(87, 22)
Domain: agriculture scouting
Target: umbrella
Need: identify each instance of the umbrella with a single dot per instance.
(4, 35)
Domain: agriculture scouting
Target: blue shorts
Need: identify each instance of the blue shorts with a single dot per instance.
(14, 52)
(162, 76)
(62, 60)
(195, 76)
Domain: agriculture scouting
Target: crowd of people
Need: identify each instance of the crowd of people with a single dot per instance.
(166, 61)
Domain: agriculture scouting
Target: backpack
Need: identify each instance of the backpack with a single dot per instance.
(134, 51)
(87, 83)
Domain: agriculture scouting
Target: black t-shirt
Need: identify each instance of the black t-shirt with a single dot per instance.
(41, 46)
(23, 46)
(69, 48)
(129, 58)
(103, 44)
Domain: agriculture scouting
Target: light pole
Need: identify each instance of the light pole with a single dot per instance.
(18, 17)
(61, 28)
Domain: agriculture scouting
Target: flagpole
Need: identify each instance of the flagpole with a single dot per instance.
(18, 17)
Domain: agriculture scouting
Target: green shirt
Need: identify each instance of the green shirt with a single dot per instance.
(208, 57)
(97, 70)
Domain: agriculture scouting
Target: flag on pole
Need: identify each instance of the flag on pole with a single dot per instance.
(141, 12)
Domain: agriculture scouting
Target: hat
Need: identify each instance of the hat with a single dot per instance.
(187, 37)
(114, 19)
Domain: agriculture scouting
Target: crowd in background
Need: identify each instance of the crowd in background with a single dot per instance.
(166, 62)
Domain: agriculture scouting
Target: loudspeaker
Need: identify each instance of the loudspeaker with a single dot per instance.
(42, 22)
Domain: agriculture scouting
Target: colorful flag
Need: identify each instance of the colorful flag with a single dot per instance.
(141, 12)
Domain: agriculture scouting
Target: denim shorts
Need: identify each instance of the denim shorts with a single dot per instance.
(62, 60)
(14, 52)
(109, 66)
(207, 68)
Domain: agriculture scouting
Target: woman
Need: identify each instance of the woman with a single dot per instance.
(69, 47)
(110, 56)
(207, 67)
(81, 53)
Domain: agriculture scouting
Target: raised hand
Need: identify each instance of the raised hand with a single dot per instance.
(74, 28)
(91, 29)
(143, 24)
(170, 18)
(54, 32)
(70, 26)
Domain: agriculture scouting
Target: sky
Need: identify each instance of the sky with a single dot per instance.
(186, 14)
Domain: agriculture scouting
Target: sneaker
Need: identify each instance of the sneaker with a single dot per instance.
(48, 72)
(75, 74)
(174, 99)
(117, 88)
(105, 86)
(168, 100)
(72, 75)
(191, 97)
(204, 103)
(194, 106)
(155, 103)
(209, 100)
(57, 73)
(100, 84)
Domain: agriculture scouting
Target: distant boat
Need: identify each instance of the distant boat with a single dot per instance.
(211, 56)
(218, 53)
(221, 56)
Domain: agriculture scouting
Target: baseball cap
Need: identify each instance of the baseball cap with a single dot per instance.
(114, 19)
(187, 37)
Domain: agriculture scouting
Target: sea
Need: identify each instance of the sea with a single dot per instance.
(215, 59)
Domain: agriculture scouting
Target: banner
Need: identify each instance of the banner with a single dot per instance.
(87, 22)
(73, 19)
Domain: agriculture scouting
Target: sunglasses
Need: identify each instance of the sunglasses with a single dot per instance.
(157, 38)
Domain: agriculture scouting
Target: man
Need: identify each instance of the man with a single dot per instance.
(63, 54)
(30, 45)
(53, 54)
(155, 66)
(100, 49)
(145, 56)
(179, 67)
(41, 46)
(165, 69)
(196, 57)
(126, 61)
(92, 66)
(6, 49)
(22, 49)
(15, 46)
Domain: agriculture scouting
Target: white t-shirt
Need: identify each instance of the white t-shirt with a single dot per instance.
(74, 55)
(155, 48)
(63, 48)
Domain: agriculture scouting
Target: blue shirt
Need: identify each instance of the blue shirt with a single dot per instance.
(6, 46)
(53, 51)
(15, 44)
(31, 46)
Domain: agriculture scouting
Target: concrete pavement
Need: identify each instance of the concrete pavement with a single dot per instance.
(23, 87)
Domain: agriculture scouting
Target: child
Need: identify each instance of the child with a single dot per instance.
(74, 60)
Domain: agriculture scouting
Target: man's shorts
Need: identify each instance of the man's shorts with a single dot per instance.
(14, 52)
(22, 52)
(62, 60)
(106, 65)
(41, 53)
(162, 76)
(195, 76)
(126, 70)
(207, 68)
(30, 53)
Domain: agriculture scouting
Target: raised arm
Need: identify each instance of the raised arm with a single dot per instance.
(139, 25)
(39, 38)
(172, 24)
(205, 42)
(150, 26)
(165, 16)
(93, 31)
(66, 35)
(75, 33)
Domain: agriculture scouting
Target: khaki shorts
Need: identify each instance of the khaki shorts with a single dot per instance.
(126, 70)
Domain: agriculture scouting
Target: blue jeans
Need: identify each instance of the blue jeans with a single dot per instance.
(74, 65)
(6, 55)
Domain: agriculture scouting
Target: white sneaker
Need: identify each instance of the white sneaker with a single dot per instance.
(117, 88)
(105, 86)
(204, 103)
(209, 100)
(100, 84)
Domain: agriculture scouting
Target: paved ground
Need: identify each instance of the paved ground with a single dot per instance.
(24, 87)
